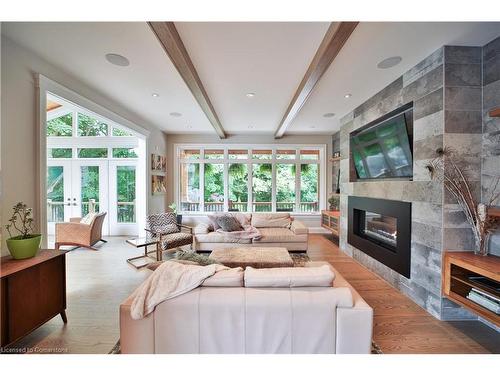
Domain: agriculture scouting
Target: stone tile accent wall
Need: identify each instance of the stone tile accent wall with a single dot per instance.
(491, 125)
(446, 90)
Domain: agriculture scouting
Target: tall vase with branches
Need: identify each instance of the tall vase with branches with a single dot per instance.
(446, 168)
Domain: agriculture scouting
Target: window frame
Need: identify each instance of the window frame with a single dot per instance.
(226, 161)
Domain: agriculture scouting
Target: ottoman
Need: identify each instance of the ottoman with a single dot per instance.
(256, 257)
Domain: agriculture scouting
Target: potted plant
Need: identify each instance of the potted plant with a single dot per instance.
(26, 244)
(334, 201)
(173, 207)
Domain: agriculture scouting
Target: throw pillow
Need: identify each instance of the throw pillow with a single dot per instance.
(88, 219)
(202, 260)
(213, 222)
(228, 223)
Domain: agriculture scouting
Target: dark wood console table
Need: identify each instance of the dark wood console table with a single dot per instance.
(33, 291)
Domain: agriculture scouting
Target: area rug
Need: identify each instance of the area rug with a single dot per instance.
(117, 348)
(299, 259)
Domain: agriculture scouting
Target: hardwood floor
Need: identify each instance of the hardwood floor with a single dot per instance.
(400, 325)
(98, 281)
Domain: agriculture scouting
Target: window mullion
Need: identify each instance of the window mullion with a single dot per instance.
(249, 187)
(226, 186)
(202, 186)
(297, 186)
(273, 187)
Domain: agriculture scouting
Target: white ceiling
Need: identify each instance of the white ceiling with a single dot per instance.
(354, 71)
(233, 59)
(79, 48)
(268, 59)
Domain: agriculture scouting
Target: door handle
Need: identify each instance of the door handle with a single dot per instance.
(69, 203)
(74, 202)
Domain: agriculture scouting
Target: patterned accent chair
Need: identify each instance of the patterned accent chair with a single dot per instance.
(170, 235)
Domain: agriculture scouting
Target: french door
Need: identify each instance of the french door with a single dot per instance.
(77, 187)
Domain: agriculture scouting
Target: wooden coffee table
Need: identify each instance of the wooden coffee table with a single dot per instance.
(256, 257)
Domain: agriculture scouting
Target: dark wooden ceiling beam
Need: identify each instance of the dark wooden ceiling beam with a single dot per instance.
(167, 34)
(335, 38)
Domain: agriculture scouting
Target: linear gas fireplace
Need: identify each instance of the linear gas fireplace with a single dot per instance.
(382, 229)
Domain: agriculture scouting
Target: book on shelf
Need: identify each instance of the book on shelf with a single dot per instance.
(484, 300)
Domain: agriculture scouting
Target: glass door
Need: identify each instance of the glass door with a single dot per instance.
(59, 207)
(90, 189)
(123, 197)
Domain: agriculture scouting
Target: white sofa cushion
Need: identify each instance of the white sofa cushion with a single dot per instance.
(232, 277)
(279, 235)
(289, 277)
(271, 220)
(216, 237)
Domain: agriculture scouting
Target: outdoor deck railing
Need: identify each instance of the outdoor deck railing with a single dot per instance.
(125, 213)
(256, 206)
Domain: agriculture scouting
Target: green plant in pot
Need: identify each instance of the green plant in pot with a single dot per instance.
(26, 244)
(173, 207)
(334, 201)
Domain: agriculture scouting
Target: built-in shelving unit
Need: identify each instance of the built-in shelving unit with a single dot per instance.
(495, 112)
(465, 271)
(330, 221)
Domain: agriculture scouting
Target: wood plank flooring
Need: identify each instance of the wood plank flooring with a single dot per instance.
(98, 281)
(400, 325)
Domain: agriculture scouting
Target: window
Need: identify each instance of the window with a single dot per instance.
(190, 187)
(262, 188)
(57, 153)
(61, 126)
(238, 187)
(244, 179)
(117, 132)
(285, 187)
(124, 153)
(214, 187)
(92, 153)
(91, 127)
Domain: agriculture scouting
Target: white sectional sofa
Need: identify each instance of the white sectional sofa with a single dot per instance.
(266, 320)
(277, 230)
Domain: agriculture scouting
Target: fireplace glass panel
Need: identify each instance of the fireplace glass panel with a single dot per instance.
(382, 228)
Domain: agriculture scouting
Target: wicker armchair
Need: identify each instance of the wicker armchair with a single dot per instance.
(79, 234)
(168, 232)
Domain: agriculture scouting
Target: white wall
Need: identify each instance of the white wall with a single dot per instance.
(18, 108)
(311, 221)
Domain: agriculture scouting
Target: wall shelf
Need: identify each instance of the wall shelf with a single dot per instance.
(495, 112)
(330, 221)
(459, 270)
(494, 211)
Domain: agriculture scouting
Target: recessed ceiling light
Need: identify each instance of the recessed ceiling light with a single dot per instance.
(115, 59)
(250, 94)
(389, 62)
(175, 114)
(155, 95)
(312, 127)
(250, 126)
(189, 127)
(347, 96)
(329, 115)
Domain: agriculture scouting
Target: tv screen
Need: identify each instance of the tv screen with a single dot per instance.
(383, 150)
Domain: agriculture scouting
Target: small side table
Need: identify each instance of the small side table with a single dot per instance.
(144, 242)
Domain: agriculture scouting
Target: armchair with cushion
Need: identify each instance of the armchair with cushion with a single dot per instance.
(80, 232)
(170, 235)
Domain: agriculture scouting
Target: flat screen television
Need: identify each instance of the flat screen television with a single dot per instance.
(383, 148)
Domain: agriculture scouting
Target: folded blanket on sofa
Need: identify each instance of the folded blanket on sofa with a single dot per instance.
(171, 279)
(249, 232)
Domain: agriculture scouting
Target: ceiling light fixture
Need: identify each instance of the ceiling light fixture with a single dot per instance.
(347, 96)
(250, 126)
(312, 127)
(250, 94)
(118, 60)
(175, 114)
(329, 115)
(155, 95)
(389, 62)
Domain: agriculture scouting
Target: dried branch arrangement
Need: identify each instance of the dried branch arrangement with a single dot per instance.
(448, 170)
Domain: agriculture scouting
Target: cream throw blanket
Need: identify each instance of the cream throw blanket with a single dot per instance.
(171, 279)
